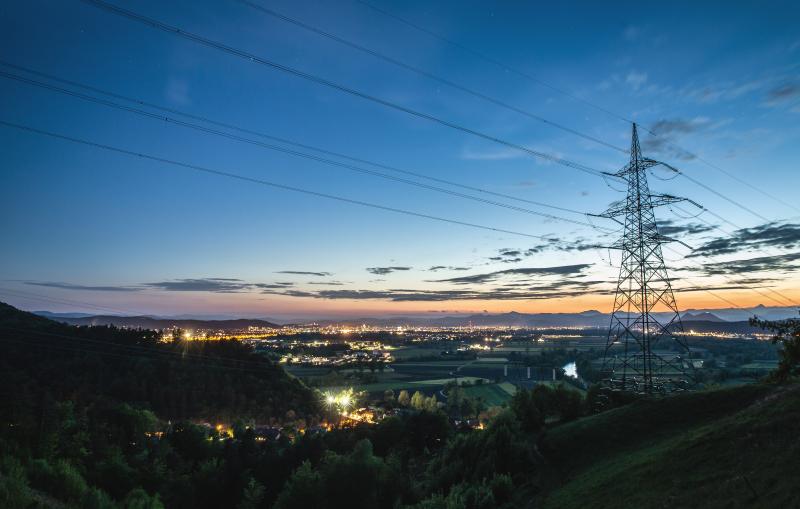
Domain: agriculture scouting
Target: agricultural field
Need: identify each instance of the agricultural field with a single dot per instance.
(411, 352)
(492, 394)
(495, 383)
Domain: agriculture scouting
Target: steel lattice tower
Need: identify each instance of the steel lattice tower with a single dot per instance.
(643, 288)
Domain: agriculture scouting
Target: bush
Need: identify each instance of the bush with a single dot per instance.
(62, 480)
(14, 492)
(139, 499)
(97, 499)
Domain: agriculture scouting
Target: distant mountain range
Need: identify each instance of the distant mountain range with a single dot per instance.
(701, 317)
(692, 318)
(149, 322)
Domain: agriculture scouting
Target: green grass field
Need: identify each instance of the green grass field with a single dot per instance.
(492, 394)
(727, 448)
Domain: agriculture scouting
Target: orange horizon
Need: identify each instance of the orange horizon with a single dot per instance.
(258, 304)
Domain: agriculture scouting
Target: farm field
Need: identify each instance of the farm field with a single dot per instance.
(430, 377)
(410, 352)
(492, 394)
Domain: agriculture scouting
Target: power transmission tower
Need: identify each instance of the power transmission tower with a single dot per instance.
(645, 314)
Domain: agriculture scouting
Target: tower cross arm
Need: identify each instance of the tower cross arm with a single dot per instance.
(658, 200)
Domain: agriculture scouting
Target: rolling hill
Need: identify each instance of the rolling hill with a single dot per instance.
(202, 380)
(726, 448)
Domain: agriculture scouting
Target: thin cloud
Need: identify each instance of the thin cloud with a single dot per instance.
(574, 245)
(272, 285)
(382, 271)
(436, 268)
(784, 92)
(405, 295)
(562, 270)
(773, 234)
(88, 288)
(305, 273)
(777, 264)
(216, 285)
(668, 131)
(636, 79)
(673, 229)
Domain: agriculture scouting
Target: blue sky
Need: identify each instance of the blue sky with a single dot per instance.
(84, 225)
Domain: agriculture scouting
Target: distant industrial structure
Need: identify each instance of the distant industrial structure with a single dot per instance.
(642, 354)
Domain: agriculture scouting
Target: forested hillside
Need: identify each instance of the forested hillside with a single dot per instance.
(213, 380)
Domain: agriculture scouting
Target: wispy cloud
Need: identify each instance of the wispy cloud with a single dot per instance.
(783, 93)
(272, 285)
(89, 288)
(668, 131)
(636, 79)
(773, 234)
(507, 255)
(382, 271)
(673, 229)
(305, 273)
(216, 285)
(776, 264)
(562, 270)
(529, 292)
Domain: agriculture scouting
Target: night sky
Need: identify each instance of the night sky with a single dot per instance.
(92, 230)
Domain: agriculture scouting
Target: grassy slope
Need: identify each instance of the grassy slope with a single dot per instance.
(729, 448)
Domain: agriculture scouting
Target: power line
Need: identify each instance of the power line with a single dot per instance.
(494, 61)
(285, 140)
(286, 150)
(643, 280)
(732, 235)
(738, 204)
(789, 300)
(427, 74)
(566, 93)
(710, 292)
(265, 182)
(177, 31)
(251, 57)
(58, 300)
(729, 174)
(328, 83)
(315, 193)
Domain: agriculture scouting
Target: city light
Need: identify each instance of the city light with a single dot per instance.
(341, 401)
